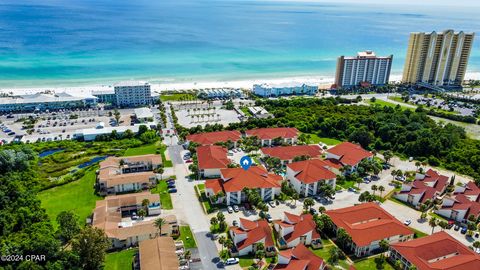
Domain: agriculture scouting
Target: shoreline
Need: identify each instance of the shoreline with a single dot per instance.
(158, 88)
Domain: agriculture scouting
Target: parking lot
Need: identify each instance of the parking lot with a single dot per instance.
(202, 113)
(59, 125)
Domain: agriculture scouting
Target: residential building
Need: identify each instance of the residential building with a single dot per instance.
(211, 159)
(368, 224)
(161, 253)
(347, 154)
(299, 258)
(127, 174)
(221, 93)
(259, 112)
(44, 102)
(115, 215)
(268, 136)
(296, 230)
(438, 251)
(307, 176)
(437, 58)
(287, 153)
(133, 94)
(464, 202)
(209, 138)
(366, 67)
(284, 89)
(248, 234)
(427, 186)
(234, 180)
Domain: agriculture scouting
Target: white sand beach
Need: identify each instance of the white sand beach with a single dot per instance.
(84, 91)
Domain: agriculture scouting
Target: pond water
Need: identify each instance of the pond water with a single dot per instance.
(50, 152)
(92, 161)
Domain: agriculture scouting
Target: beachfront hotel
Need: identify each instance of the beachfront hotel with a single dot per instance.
(127, 94)
(437, 58)
(365, 68)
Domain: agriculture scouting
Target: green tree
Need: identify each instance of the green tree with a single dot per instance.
(343, 238)
(334, 255)
(159, 223)
(68, 225)
(91, 245)
(433, 223)
(374, 188)
(381, 189)
(307, 203)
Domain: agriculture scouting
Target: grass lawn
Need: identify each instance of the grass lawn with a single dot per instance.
(178, 97)
(121, 260)
(165, 199)
(150, 149)
(324, 254)
(246, 261)
(200, 191)
(245, 111)
(142, 150)
(418, 233)
(369, 263)
(77, 196)
(187, 237)
(328, 141)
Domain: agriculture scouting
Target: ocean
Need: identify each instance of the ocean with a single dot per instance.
(66, 43)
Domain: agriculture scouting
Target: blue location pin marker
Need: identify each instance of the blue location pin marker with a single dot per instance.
(245, 162)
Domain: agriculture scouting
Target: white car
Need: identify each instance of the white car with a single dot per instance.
(229, 209)
(235, 208)
(407, 222)
(231, 261)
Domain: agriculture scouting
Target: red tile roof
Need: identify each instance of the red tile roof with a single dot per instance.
(209, 138)
(212, 157)
(236, 179)
(272, 133)
(471, 189)
(462, 202)
(290, 152)
(215, 185)
(256, 231)
(433, 184)
(311, 171)
(300, 258)
(438, 251)
(302, 224)
(367, 223)
(350, 153)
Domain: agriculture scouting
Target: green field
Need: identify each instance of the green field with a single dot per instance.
(328, 141)
(121, 260)
(369, 263)
(178, 97)
(77, 196)
(187, 237)
(150, 149)
(246, 261)
(165, 199)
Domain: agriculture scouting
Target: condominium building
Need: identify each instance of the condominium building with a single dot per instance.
(284, 89)
(366, 67)
(437, 58)
(133, 94)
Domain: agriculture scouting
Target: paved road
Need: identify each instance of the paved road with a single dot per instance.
(187, 207)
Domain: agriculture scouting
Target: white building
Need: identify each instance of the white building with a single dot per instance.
(284, 89)
(294, 230)
(90, 134)
(307, 176)
(366, 67)
(133, 94)
(43, 102)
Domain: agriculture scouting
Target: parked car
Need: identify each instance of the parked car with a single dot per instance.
(407, 222)
(463, 230)
(229, 209)
(231, 261)
(456, 228)
(268, 217)
(272, 204)
(235, 223)
(313, 211)
(172, 190)
(235, 208)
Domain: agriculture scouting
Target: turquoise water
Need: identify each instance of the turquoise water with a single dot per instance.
(61, 42)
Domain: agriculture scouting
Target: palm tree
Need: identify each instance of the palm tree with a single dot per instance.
(228, 244)
(142, 213)
(159, 223)
(374, 188)
(381, 189)
(307, 203)
(433, 223)
(214, 221)
(393, 173)
(321, 209)
(221, 241)
(145, 203)
(295, 197)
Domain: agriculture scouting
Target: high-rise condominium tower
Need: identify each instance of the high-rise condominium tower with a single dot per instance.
(366, 67)
(437, 58)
